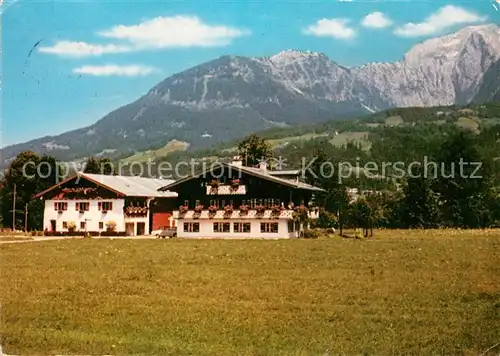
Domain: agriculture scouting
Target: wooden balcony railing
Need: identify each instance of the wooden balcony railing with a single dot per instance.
(237, 214)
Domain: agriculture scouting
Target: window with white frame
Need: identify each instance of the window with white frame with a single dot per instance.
(191, 227)
(61, 206)
(268, 227)
(105, 205)
(241, 227)
(222, 227)
(82, 206)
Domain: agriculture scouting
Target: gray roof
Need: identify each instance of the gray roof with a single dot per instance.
(294, 183)
(292, 172)
(133, 186)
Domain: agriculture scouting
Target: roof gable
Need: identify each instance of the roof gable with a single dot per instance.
(132, 186)
(256, 172)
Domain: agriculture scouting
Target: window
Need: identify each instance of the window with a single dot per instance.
(186, 203)
(269, 227)
(82, 206)
(253, 203)
(192, 227)
(65, 224)
(214, 202)
(291, 226)
(274, 202)
(105, 206)
(101, 225)
(241, 227)
(222, 227)
(82, 225)
(60, 206)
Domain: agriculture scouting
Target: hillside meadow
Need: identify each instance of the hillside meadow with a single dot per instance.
(403, 292)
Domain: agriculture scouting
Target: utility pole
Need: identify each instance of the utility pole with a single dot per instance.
(26, 218)
(14, 209)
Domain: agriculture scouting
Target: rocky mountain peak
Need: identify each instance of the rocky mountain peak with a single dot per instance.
(449, 47)
(232, 96)
(291, 55)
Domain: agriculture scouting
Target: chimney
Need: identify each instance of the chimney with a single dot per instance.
(237, 161)
(263, 165)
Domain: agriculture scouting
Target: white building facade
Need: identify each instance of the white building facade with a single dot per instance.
(101, 204)
(234, 201)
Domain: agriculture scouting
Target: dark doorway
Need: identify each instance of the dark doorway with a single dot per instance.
(129, 229)
(53, 225)
(141, 228)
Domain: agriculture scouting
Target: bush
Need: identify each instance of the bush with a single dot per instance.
(113, 233)
(312, 233)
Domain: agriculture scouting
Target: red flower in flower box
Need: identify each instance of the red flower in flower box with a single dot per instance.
(244, 209)
(260, 209)
(212, 209)
(183, 209)
(276, 209)
(198, 208)
(214, 183)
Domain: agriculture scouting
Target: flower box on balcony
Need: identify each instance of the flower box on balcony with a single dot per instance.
(261, 209)
(235, 183)
(212, 210)
(228, 211)
(198, 208)
(214, 183)
(276, 210)
(244, 209)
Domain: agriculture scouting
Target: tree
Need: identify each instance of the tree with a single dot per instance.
(323, 174)
(361, 215)
(253, 149)
(30, 174)
(464, 183)
(98, 166)
(419, 206)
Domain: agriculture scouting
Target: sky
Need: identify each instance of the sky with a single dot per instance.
(66, 64)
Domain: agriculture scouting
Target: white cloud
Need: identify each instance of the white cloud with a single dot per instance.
(177, 31)
(376, 20)
(158, 33)
(112, 69)
(443, 19)
(6, 4)
(337, 28)
(83, 49)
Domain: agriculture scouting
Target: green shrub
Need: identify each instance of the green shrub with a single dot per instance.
(312, 233)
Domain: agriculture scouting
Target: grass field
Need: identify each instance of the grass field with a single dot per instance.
(171, 146)
(402, 293)
(468, 123)
(15, 238)
(357, 137)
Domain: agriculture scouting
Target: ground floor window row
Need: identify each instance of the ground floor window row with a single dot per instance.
(83, 225)
(225, 227)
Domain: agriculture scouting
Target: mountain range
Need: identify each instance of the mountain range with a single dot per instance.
(231, 96)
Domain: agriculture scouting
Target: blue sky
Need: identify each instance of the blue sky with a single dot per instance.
(95, 56)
